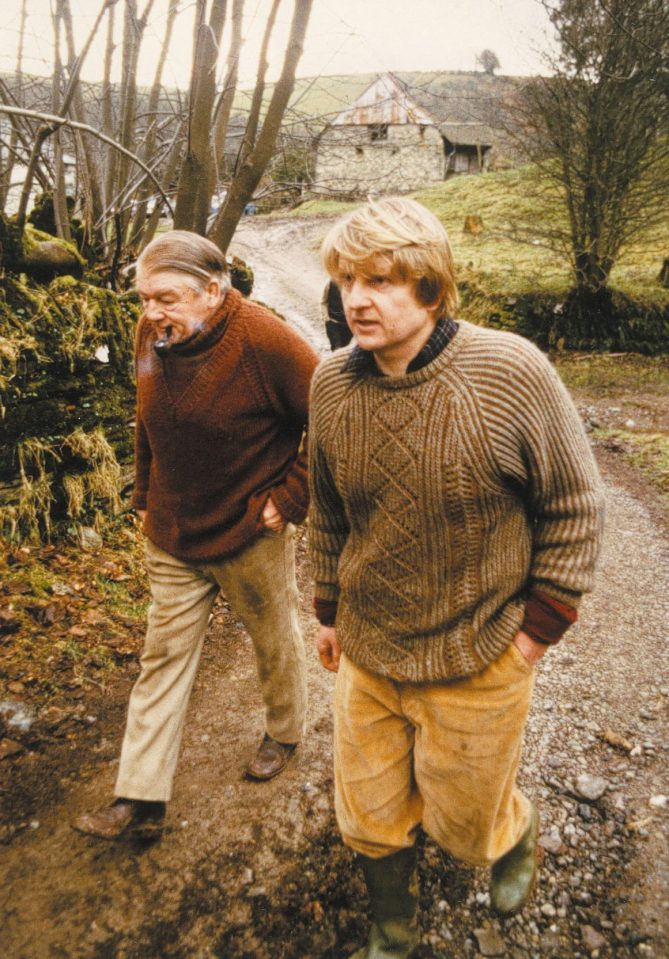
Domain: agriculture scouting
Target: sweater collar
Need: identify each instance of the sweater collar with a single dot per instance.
(206, 337)
(362, 363)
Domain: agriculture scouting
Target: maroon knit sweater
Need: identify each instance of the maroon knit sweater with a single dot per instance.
(219, 427)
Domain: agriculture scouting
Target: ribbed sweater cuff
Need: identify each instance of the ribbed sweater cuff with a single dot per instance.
(326, 611)
(289, 509)
(546, 618)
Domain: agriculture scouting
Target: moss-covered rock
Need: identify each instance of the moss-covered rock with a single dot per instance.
(41, 255)
(65, 371)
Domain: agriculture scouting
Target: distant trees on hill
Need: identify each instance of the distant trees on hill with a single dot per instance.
(488, 60)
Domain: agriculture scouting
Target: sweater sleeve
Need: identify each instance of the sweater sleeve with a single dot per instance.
(142, 446)
(287, 364)
(543, 451)
(142, 464)
(328, 525)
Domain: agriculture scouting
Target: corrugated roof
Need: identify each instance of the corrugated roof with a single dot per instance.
(384, 101)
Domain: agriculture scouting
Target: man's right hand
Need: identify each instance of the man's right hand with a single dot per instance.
(328, 648)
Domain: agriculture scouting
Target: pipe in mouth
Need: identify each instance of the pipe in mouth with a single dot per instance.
(164, 344)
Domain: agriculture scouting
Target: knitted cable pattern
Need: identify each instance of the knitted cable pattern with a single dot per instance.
(441, 497)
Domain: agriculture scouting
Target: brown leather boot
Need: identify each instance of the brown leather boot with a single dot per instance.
(137, 817)
(271, 759)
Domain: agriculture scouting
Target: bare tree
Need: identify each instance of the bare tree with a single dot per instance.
(11, 148)
(151, 140)
(91, 180)
(179, 140)
(259, 142)
(599, 127)
(193, 197)
(46, 130)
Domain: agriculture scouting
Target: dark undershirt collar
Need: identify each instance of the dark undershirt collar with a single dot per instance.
(361, 362)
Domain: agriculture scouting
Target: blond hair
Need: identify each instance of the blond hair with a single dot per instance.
(409, 236)
(181, 251)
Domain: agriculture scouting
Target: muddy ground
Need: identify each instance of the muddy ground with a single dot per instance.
(256, 871)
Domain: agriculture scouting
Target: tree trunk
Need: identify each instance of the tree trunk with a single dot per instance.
(60, 211)
(663, 278)
(45, 131)
(107, 114)
(225, 101)
(251, 131)
(7, 165)
(88, 169)
(149, 151)
(248, 177)
(193, 199)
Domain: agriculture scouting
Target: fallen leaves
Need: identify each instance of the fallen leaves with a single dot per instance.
(67, 615)
(9, 747)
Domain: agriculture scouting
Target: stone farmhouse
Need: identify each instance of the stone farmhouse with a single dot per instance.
(394, 138)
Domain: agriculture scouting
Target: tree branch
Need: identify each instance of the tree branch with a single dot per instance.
(85, 128)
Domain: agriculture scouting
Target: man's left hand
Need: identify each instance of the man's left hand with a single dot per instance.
(272, 518)
(530, 649)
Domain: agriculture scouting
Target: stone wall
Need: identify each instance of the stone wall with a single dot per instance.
(358, 160)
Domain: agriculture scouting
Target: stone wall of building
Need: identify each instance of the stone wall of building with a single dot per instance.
(379, 158)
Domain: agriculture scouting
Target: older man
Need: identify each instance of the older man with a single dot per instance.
(220, 482)
(456, 516)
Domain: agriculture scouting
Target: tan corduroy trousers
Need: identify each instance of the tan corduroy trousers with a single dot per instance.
(444, 755)
(260, 585)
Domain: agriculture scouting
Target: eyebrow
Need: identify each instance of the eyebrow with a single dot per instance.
(161, 291)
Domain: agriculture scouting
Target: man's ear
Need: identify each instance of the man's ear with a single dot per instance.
(213, 291)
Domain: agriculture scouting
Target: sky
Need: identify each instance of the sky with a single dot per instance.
(344, 36)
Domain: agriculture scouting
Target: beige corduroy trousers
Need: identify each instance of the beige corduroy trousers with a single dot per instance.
(444, 755)
(260, 585)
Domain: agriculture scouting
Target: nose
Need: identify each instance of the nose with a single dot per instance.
(153, 310)
(357, 295)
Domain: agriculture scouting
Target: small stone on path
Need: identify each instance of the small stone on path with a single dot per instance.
(591, 787)
(592, 939)
(552, 843)
(490, 942)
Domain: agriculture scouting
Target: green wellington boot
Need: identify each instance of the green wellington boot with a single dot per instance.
(393, 895)
(513, 875)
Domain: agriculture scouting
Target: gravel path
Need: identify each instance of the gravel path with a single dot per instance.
(597, 738)
(257, 871)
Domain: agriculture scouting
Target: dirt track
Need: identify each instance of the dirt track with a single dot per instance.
(257, 871)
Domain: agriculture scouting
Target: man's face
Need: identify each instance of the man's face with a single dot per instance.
(384, 314)
(173, 306)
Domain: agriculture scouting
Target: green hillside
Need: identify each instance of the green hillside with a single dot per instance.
(511, 255)
(448, 95)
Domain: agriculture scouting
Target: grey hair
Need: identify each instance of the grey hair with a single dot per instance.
(181, 251)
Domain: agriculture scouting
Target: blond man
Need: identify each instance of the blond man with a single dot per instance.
(220, 482)
(455, 522)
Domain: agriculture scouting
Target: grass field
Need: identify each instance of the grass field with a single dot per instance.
(511, 255)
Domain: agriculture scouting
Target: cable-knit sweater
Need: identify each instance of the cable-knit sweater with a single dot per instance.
(440, 498)
(219, 427)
